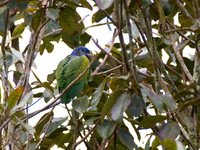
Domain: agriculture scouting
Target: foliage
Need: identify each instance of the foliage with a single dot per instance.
(130, 90)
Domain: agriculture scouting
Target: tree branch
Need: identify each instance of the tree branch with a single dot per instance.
(180, 59)
(4, 74)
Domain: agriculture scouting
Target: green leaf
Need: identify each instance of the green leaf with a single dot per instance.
(179, 145)
(53, 31)
(14, 97)
(72, 28)
(47, 95)
(109, 103)
(17, 56)
(150, 121)
(106, 128)
(31, 146)
(19, 29)
(71, 40)
(149, 95)
(147, 144)
(52, 13)
(2, 18)
(86, 4)
(85, 38)
(9, 60)
(16, 4)
(41, 123)
(169, 130)
(119, 83)
(37, 18)
(168, 101)
(136, 107)
(61, 139)
(56, 122)
(126, 138)
(135, 32)
(26, 100)
(51, 77)
(91, 121)
(169, 144)
(96, 96)
(80, 104)
(122, 102)
(104, 4)
(49, 47)
(99, 15)
(155, 143)
(28, 128)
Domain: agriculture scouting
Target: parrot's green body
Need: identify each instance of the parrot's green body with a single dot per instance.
(69, 69)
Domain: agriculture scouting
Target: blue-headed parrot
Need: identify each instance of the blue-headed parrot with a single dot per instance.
(69, 69)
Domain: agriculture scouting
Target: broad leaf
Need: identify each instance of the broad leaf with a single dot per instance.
(169, 130)
(2, 19)
(26, 100)
(136, 107)
(31, 130)
(122, 102)
(17, 56)
(18, 30)
(109, 103)
(56, 122)
(150, 121)
(42, 122)
(96, 96)
(86, 4)
(37, 19)
(168, 101)
(106, 128)
(119, 83)
(72, 28)
(81, 104)
(169, 144)
(14, 97)
(52, 13)
(104, 4)
(126, 138)
(148, 94)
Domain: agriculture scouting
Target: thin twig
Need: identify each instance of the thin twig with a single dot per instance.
(4, 2)
(55, 32)
(180, 59)
(119, 66)
(85, 142)
(121, 38)
(107, 53)
(86, 136)
(185, 12)
(133, 63)
(183, 131)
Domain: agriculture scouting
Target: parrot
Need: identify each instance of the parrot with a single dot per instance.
(69, 69)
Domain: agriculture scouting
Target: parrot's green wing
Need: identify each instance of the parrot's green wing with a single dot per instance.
(67, 71)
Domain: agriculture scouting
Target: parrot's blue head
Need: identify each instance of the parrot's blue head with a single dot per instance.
(80, 51)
